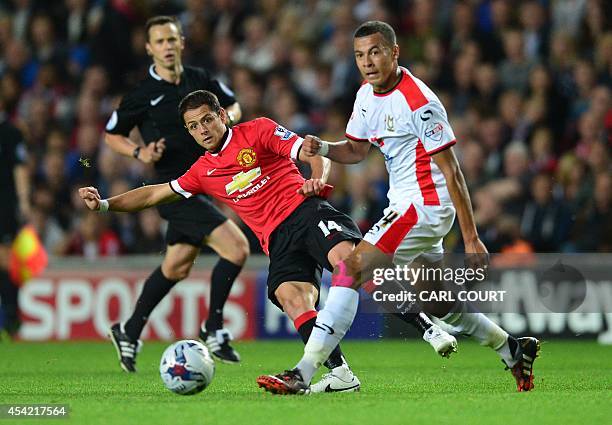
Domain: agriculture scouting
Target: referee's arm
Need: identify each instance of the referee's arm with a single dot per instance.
(126, 146)
(234, 113)
(23, 187)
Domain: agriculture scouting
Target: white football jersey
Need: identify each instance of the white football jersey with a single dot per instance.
(408, 124)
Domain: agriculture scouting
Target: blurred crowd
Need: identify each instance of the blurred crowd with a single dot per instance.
(527, 86)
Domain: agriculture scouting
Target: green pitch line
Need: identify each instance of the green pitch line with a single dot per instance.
(402, 383)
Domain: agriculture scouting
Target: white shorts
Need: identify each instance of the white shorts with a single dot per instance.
(409, 231)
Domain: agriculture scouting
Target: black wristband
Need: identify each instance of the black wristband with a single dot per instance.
(136, 152)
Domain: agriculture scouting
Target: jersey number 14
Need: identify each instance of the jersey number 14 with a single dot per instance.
(331, 225)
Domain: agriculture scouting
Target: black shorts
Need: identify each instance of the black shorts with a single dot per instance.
(191, 220)
(300, 244)
(8, 227)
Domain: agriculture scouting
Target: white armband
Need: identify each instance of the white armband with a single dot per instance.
(103, 205)
(324, 149)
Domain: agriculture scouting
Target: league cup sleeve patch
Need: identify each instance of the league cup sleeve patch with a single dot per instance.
(432, 128)
(434, 131)
(283, 133)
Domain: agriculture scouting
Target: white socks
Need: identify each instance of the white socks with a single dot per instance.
(469, 322)
(332, 324)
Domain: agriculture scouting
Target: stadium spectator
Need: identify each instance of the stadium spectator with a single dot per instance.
(486, 84)
(126, 226)
(256, 52)
(472, 157)
(150, 234)
(593, 232)
(514, 69)
(567, 15)
(92, 238)
(535, 29)
(51, 234)
(545, 221)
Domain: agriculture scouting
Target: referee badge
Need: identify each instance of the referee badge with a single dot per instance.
(247, 157)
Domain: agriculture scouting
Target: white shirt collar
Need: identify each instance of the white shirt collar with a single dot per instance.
(153, 73)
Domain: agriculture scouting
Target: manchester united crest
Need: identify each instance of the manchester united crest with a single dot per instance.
(247, 157)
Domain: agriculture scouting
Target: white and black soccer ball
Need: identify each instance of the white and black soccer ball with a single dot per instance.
(186, 367)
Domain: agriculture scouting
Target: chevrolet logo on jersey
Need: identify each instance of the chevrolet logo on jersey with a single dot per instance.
(243, 180)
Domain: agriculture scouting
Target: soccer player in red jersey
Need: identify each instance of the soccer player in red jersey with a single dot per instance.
(250, 168)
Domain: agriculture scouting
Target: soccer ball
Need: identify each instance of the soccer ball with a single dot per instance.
(186, 367)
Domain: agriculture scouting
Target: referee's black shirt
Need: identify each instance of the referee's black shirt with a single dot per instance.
(152, 106)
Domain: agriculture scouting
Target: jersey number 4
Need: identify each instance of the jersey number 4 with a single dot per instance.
(385, 221)
(331, 225)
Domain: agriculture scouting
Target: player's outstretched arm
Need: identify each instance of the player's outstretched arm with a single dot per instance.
(134, 200)
(457, 188)
(344, 152)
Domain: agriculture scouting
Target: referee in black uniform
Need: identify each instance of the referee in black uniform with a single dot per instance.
(15, 198)
(153, 107)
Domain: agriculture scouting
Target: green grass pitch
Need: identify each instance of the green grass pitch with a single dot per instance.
(403, 382)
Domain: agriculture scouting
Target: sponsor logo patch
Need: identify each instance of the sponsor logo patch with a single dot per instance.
(434, 131)
(242, 181)
(283, 133)
(155, 101)
(426, 115)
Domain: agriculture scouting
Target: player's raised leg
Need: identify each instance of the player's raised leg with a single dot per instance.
(232, 246)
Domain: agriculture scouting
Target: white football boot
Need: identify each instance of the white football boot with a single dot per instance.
(339, 379)
(444, 343)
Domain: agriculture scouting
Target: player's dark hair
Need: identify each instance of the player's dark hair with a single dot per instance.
(163, 20)
(373, 27)
(197, 98)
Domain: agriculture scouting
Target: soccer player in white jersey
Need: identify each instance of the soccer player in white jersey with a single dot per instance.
(400, 115)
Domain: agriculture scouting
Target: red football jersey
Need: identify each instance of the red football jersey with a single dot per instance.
(253, 173)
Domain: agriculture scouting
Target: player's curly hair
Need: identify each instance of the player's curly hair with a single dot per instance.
(163, 20)
(197, 98)
(373, 27)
